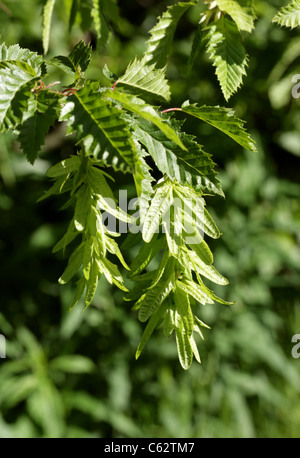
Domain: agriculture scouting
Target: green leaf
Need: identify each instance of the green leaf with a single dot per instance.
(143, 182)
(64, 167)
(33, 130)
(67, 238)
(223, 119)
(91, 284)
(225, 49)
(111, 273)
(193, 289)
(160, 204)
(289, 15)
(183, 310)
(193, 167)
(98, 182)
(16, 54)
(82, 208)
(77, 61)
(97, 121)
(151, 325)
(47, 17)
(101, 26)
(184, 348)
(145, 255)
(160, 41)
(194, 213)
(79, 292)
(206, 270)
(74, 263)
(16, 80)
(196, 45)
(154, 298)
(145, 111)
(241, 12)
(145, 80)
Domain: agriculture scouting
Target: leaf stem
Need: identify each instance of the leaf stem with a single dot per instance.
(171, 109)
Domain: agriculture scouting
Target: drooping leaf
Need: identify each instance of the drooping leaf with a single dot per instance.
(47, 17)
(160, 204)
(153, 322)
(32, 131)
(75, 261)
(183, 309)
(160, 41)
(289, 15)
(223, 119)
(145, 80)
(100, 23)
(145, 255)
(82, 207)
(153, 298)
(241, 11)
(225, 49)
(143, 182)
(92, 283)
(193, 289)
(206, 270)
(184, 348)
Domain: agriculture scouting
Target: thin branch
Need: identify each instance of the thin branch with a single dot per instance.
(5, 9)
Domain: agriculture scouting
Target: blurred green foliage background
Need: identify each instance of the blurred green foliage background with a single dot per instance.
(73, 374)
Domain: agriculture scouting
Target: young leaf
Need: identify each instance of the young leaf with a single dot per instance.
(193, 289)
(241, 12)
(145, 80)
(225, 49)
(77, 61)
(160, 41)
(184, 348)
(154, 298)
(143, 182)
(289, 15)
(74, 263)
(160, 204)
(183, 309)
(206, 270)
(151, 325)
(82, 208)
(47, 17)
(92, 283)
(224, 120)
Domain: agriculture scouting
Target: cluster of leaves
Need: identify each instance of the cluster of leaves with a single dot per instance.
(221, 30)
(117, 127)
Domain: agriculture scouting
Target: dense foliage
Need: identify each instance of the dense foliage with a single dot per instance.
(116, 125)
